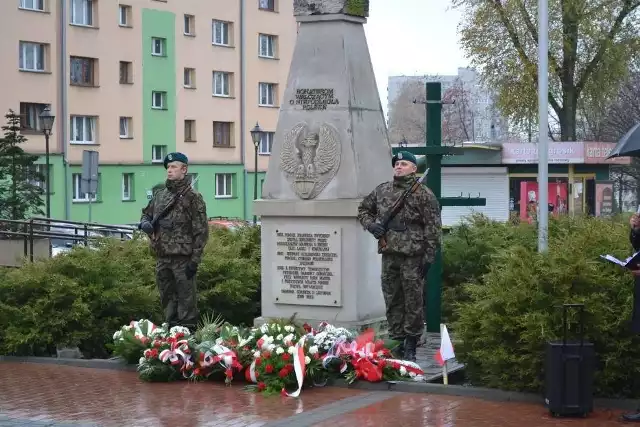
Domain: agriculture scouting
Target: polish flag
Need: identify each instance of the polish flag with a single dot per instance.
(445, 352)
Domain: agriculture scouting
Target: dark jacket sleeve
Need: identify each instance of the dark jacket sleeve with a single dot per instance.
(147, 212)
(368, 210)
(433, 220)
(200, 227)
(634, 238)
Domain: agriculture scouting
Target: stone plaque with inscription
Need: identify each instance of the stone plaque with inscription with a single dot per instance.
(314, 99)
(307, 267)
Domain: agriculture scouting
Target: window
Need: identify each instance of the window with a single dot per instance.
(267, 5)
(83, 130)
(157, 153)
(189, 78)
(124, 15)
(193, 177)
(190, 130)
(82, 71)
(126, 72)
(82, 12)
(158, 46)
(31, 56)
(127, 186)
(267, 94)
(267, 46)
(222, 134)
(159, 100)
(224, 183)
(30, 116)
(221, 83)
(78, 195)
(266, 143)
(32, 5)
(189, 25)
(220, 34)
(38, 176)
(125, 127)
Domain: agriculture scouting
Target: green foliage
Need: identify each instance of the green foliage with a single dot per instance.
(357, 8)
(511, 305)
(21, 198)
(82, 297)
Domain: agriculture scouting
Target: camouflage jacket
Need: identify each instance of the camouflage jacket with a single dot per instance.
(184, 230)
(416, 229)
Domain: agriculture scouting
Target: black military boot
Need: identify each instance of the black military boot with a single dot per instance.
(410, 344)
(398, 350)
(633, 418)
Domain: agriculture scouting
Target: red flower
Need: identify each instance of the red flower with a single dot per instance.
(179, 336)
(283, 372)
(261, 385)
(266, 355)
(268, 369)
(260, 343)
(316, 356)
(307, 327)
(258, 361)
(285, 356)
(228, 373)
(245, 348)
(157, 343)
(382, 363)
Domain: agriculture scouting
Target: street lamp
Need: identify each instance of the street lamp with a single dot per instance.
(46, 119)
(256, 136)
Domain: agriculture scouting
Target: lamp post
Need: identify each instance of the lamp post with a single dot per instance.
(46, 119)
(256, 136)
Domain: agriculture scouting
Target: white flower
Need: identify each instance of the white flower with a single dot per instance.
(307, 360)
(256, 354)
(288, 338)
(291, 350)
(141, 361)
(278, 328)
(117, 335)
(264, 328)
(128, 328)
(270, 347)
(157, 332)
(279, 337)
(269, 339)
(279, 350)
(403, 370)
(313, 349)
(179, 329)
(289, 328)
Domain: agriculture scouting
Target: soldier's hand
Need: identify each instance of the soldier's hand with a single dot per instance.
(191, 270)
(634, 221)
(146, 227)
(376, 229)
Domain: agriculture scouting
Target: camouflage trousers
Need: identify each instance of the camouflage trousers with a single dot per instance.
(178, 295)
(403, 291)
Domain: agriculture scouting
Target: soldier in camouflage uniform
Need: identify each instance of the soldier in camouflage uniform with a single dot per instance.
(178, 241)
(413, 237)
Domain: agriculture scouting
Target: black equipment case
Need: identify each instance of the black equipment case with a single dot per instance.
(569, 372)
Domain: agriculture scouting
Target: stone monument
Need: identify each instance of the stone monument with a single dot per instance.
(331, 149)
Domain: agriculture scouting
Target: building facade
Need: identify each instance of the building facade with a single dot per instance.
(137, 79)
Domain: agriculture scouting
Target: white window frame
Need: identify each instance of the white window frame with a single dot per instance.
(163, 46)
(266, 143)
(36, 51)
(270, 49)
(37, 5)
(227, 180)
(221, 83)
(87, 137)
(154, 153)
(123, 15)
(82, 12)
(77, 195)
(224, 33)
(127, 186)
(127, 121)
(188, 24)
(268, 90)
(163, 100)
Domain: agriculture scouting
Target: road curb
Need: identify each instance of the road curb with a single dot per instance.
(396, 386)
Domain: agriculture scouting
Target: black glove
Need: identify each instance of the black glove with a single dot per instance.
(146, 227)
(191, 270)
(376, 229)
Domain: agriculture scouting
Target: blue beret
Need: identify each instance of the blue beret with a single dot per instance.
(175, 157)
(404, 155)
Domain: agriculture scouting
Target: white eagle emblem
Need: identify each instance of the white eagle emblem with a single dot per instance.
(311, 157)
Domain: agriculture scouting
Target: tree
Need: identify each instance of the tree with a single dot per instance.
(591, 43)
(459, 114)
(22, 197)
(406, 119)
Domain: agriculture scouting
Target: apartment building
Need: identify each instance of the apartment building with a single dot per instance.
(136, 79)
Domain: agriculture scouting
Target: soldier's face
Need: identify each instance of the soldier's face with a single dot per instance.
(176, 171)
(404, 168)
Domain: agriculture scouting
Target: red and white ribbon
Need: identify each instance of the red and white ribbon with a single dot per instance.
(251, 376)
(178, 351)
(299, 366)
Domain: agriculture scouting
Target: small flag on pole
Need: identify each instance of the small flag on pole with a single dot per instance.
(445, 352)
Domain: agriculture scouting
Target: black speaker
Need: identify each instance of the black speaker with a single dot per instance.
(569, 369)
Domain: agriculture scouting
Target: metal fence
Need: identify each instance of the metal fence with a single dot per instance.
(61, 234)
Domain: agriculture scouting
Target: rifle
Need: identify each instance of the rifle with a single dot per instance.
(396, 207)
(170, 205)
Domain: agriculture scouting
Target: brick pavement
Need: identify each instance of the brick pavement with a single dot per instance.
(37, 395)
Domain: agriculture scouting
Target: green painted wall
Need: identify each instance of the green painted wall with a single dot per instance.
(57, 185)
(158, 74)
(250, 186)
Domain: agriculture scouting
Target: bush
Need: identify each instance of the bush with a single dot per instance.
(82, 297)
(514, 309)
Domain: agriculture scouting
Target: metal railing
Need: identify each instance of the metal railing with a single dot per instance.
(71, 232)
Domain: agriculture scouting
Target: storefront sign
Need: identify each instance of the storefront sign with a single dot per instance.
(597, 152)
(527, 153)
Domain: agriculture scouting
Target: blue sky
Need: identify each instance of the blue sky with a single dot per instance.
(412, 37)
